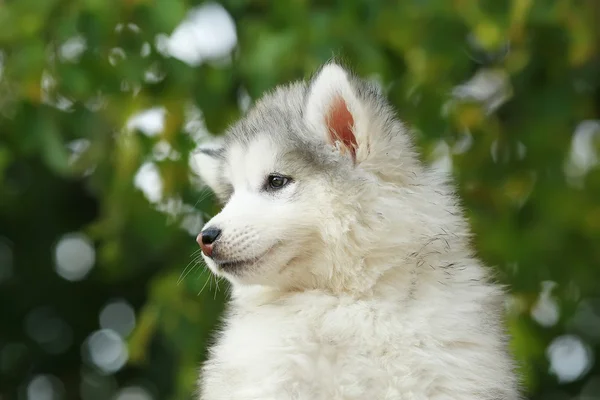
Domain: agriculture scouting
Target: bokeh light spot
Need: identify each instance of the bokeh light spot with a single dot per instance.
(45, 387)
(106, 350)
(118, 316)
(569, 357)
(74, 256)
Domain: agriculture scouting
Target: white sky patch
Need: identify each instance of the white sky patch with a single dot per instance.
(62, 103)
(464, 143)
(161, 42)
(491, 87)
(162, 150)
(133, 27)
(146, 50)
(77, 147)
(72, 49)
(484, 54)
(194, 123)
(506, 155)
(546, 311)
(583, 155)
(96, 103)
(244, 100)
(196, 128)
(130, 27)
(192, 223)
(116, 55)
(148, 178)
(188, 217)
(213, 143)
(49, 95)
(150, 122)
(149, 181)
(442, 159)
(207, 33)
(153, 74)
(495, 152)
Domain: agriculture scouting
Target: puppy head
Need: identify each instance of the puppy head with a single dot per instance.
(301, 178)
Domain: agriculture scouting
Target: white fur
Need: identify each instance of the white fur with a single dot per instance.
(363, 288)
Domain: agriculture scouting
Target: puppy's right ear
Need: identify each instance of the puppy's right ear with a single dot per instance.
(335, 112)
(207, 163)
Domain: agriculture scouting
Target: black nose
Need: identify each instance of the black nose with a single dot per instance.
(209, 235)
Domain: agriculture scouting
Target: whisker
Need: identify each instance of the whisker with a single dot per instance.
(195, 253)
(205, 283)
(204, 193)
(217, 290)
(189, 268)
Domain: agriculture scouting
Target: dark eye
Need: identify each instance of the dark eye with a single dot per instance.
(275, 181)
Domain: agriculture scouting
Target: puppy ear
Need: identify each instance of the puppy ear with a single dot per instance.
(334, 111)
(206, 162)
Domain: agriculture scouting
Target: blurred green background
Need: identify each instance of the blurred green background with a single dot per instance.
(102, 104)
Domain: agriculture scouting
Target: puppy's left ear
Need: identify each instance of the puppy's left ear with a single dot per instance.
(335, 112)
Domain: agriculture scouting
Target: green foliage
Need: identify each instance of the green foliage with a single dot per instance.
(523, 149)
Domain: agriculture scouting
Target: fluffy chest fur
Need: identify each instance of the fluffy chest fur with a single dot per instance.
(438, 343)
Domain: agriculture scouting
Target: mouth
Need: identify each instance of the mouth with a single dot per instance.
(233, 265)
(236, 265)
